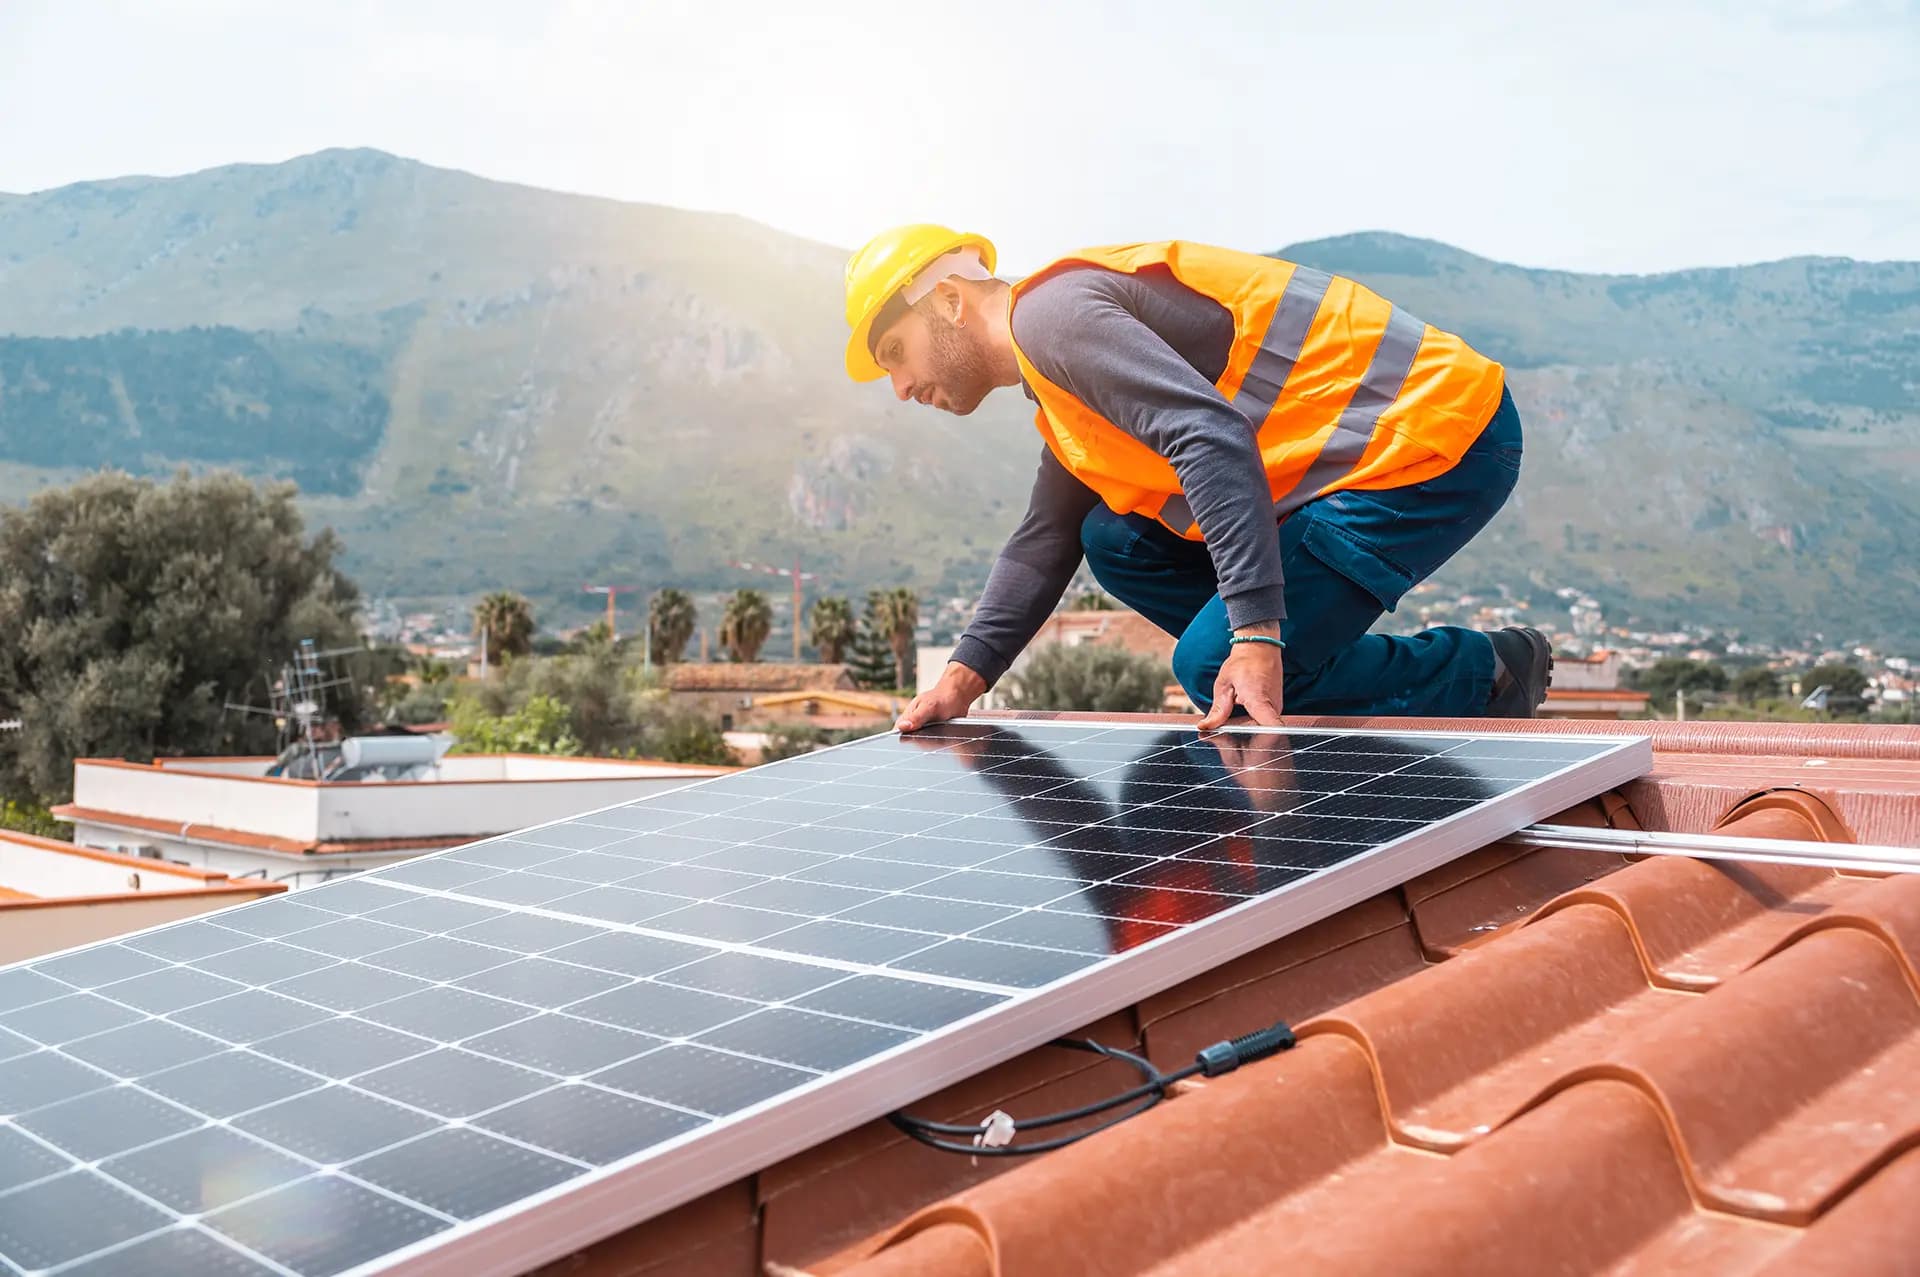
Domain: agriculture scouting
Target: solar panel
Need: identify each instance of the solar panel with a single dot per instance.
(478, 1060)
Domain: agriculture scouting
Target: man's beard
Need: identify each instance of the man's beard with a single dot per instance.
(960, 369)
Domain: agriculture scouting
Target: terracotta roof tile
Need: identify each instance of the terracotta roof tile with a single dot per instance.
(1473, 1041)
(729, 676)
(1791, 1081)
(1115, 628)
(1697, 923)
(1470, 901)
(1873, 1231)
(1888, 908)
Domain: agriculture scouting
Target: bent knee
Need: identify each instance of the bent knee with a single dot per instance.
(1196, 664)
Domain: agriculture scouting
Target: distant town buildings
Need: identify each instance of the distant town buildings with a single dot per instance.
(1575, 620)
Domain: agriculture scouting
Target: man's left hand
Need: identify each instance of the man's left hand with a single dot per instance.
(1250, 680)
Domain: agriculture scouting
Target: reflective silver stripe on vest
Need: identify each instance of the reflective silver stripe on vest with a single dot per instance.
(1280, 345)
(1272, 364)
(1379, 387)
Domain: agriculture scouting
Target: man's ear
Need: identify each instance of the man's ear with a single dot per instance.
(949, 302)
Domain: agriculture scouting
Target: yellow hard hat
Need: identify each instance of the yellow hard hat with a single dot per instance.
(880, 270)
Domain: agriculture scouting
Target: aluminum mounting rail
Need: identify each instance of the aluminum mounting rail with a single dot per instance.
(1848, 857)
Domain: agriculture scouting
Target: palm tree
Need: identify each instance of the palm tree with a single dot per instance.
(503, 620)
(745, 625)
(870, 658)
(670, 623)
(899, 615)
(832, 629)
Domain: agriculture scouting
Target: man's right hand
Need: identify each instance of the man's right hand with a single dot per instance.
(959, 687)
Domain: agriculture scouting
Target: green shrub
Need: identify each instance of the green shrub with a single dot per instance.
(30, 818)
(1102, 680)
(540, 726)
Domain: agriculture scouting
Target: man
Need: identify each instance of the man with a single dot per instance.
(1258, 457)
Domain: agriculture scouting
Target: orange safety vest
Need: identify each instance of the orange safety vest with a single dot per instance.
(1343, 388)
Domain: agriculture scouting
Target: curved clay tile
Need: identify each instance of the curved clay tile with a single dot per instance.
(1790, 1082)
(1462, 1047)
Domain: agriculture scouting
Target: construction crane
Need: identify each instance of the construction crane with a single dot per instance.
(613, 592)
(797, 576)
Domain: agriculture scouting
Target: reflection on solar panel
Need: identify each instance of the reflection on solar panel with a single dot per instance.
(581, 1025)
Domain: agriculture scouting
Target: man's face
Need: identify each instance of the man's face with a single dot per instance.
(933, 361)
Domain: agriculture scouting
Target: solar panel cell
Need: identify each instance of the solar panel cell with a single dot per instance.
(357, 1224)
(492, 1171)
(334, 1124)
(107, 1122)
(203, 1169)
(804, 1039)
(178, 1250)
(68, 1216)
(229, 1083)
(563, 1045)
(588, 1123)
(906, 1004)
(710, 1082)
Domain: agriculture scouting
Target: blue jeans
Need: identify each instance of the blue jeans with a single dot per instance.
(1348, 558)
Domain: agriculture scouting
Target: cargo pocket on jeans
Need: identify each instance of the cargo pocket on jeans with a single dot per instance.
(1329, 538)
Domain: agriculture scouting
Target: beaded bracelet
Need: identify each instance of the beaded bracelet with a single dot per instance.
(1255, 638)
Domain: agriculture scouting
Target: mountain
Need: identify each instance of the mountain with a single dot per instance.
(481, 383)
(1739, 445)
(486, 384)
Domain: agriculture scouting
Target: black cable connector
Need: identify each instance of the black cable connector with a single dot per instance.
(1225, 1057)
(1221, 1057)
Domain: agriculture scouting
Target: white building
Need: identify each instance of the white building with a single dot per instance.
(229, 816)
(54, 895)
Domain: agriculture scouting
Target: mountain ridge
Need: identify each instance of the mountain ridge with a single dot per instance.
(490, 383)
(1335, 242)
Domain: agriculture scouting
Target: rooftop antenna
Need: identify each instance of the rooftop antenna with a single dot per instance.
(297, 698)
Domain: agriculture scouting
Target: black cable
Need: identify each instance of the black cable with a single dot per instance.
(1221, 1057)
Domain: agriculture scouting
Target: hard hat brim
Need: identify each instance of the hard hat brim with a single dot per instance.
(860, 362)
(861, 365)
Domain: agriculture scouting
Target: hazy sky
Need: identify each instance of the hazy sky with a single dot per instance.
(1632, 136)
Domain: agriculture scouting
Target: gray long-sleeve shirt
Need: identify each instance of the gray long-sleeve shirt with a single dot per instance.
(1143, 351)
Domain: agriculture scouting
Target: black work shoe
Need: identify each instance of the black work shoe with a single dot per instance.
(1523, 670)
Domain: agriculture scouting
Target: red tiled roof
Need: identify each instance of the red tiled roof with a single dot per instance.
(1112, 628)
(1596, 694)
(856, 702)
(1528, 1061)
(253, 841)
(730, 676)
